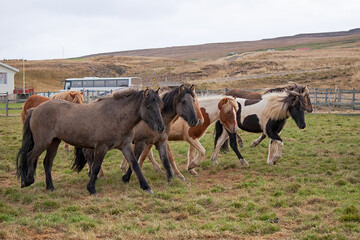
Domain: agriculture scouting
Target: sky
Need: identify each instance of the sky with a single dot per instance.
(52, 29)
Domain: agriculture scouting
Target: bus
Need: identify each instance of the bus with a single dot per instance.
(101, 84)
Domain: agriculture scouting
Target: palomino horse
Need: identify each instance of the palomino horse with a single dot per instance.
(35, 100)
(177, 103)
(213, 107)
(101, 125)
(268, 116)
(292, 86)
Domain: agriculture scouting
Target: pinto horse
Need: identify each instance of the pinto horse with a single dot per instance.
(267, 116)
(292, 86)
(213, 108)
(101, 125)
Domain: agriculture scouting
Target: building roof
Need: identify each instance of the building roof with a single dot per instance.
(9, 67)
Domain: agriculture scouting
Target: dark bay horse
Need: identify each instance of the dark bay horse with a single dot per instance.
(177, 103)
(101, 125)
(267, 116)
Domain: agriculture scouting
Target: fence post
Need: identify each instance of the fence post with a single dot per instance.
(7, 104)
(353, 99)
(315, 99)
(329, 103)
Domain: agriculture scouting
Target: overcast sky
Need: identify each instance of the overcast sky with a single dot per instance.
(48, 29)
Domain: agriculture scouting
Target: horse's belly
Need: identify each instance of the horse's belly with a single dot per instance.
(251, 123)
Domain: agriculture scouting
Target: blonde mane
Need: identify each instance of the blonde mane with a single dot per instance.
(276, 108)
(71, 96)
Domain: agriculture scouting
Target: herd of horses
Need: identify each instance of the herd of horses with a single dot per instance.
(133, 121)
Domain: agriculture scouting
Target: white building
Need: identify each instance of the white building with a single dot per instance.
(7, 78)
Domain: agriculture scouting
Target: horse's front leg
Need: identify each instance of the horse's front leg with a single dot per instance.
(221, 140)
(149, 154)
(257, 141)
(128, 152)
(195, 144)
(273, 129)
(138, 149)
(99, 154)
(233, 145)
(173, 163)
(162, 149)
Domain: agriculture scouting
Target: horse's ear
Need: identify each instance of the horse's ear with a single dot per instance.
(222, 102)
(182, 87)
(159, 90)
(72, 94)
(192, 87)
(146, 92)
(82, 92)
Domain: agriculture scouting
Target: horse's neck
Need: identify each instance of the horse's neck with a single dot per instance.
(168, 117)
(211, 106)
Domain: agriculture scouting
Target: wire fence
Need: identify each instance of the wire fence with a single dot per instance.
(322, 99)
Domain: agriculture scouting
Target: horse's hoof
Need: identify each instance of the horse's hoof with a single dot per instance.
(94, 194)
(193, 172)
(182, 178)
(125, 179)
(149, 191)
(50, 188)
(244, 162)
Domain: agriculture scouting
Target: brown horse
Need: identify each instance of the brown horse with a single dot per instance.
(35, 100)
(101, 125)
(213, 108)
(292, 86)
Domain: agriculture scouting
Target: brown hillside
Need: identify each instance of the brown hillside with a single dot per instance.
(325, 60)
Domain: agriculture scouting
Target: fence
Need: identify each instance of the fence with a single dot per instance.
(323, 99)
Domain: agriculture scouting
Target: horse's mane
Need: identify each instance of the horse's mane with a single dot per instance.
(71, 96)
(172, 97)
(231, 104)
(278, 103)
(291, 86)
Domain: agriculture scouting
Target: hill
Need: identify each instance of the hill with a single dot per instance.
(319, 60)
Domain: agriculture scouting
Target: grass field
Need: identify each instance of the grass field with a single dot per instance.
(314, 191)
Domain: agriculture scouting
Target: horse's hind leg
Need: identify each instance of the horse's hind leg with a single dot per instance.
(99, 155)
(48, 162)
(257, 141)
(32, 158)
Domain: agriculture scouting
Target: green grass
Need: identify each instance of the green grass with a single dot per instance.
(314, 190)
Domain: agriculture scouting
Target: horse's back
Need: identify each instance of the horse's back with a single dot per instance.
(32, 102)
(243, 94)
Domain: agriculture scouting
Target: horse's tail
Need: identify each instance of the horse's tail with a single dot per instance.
(27, 146)
(218, 131)
(79, 160)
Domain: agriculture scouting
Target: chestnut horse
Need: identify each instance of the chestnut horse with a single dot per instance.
(100, 125)
(213, 108)
(35, 100)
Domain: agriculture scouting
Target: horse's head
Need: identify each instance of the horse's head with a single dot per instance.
(184, 102)
(228, 108)
(77, 97)
(150, 110)
(296, 107)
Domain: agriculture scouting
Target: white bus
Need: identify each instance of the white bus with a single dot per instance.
(101, 84)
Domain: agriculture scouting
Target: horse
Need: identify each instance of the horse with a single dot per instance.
(102, 125)
(291, 86)
(35, 100)
(267, 116)
(213, 108)
(177, 103)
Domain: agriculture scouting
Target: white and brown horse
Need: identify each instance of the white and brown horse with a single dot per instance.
(267, 116)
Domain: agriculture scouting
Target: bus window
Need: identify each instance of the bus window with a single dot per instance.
(75, 84)
(88, 83)
(67, 86)
(123, 83)
(99, 83)
(111, 83)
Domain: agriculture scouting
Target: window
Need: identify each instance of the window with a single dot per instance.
(3, 79)
(123, 83)
(76, 84)
(88, 83)
(111, 83)
(99, 83)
